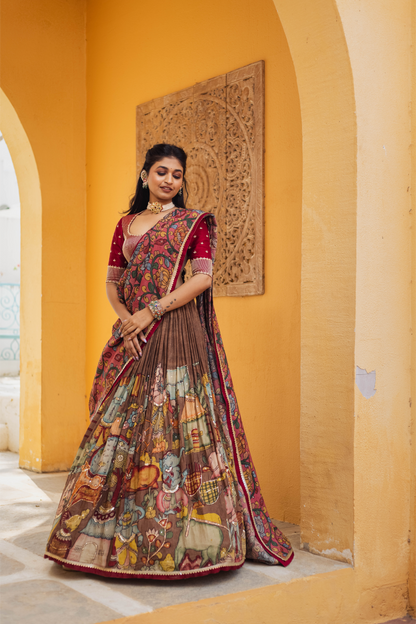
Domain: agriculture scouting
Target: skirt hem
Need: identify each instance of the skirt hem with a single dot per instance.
(85, 567)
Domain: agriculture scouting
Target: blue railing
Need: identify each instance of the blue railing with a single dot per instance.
(9, 321)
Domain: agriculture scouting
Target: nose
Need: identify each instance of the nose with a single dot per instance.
(169, 178)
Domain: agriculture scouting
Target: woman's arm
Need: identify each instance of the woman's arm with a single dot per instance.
(186, 292)
(179, 297)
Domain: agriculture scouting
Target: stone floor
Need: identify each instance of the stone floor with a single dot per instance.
(37, 591)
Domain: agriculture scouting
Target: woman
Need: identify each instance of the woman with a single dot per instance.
(163, 485)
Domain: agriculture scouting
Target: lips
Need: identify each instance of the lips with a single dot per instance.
(166, 188)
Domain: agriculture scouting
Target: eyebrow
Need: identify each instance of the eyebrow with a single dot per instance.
(167, 168)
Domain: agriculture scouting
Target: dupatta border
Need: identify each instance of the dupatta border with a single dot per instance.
(99, 404)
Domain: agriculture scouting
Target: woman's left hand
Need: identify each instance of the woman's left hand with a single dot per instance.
(135, 325)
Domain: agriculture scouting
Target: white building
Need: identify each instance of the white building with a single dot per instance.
(9, 301)
(9, 263)
(9, 219)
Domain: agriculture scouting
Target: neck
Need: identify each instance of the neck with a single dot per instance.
(153, 199)
(167, 206)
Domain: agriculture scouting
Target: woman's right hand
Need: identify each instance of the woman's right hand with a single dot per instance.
(132, 345)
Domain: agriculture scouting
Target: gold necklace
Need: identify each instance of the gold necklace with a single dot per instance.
(156, 207)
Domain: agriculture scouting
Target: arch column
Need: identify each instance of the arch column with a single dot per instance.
(43, 75)
(317, 43)
(379, 39)
(353, 62)
(50, 427)
(31, 285)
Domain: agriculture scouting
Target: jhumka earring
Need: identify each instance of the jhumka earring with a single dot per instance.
(180, 191)
(143, 176)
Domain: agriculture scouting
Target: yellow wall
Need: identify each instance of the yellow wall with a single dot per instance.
(43, 77)
(357, 259)
(412, 567)
(128, 65)
(353, 49)
(383, 285)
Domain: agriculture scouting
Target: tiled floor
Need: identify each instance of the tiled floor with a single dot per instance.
(35, 590)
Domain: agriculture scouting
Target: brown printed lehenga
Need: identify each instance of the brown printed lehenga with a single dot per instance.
(163, 484)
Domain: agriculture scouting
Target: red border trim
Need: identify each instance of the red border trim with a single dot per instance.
(179, 576)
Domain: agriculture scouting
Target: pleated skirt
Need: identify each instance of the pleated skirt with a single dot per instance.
(153, 489)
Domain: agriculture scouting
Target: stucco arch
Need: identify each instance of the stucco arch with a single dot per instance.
(321, 59)
(44, 80)
(31, 282)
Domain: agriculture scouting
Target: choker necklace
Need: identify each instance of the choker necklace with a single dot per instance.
(157, 207)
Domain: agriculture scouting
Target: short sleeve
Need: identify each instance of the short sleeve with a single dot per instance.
(199, 252)
(117, 262)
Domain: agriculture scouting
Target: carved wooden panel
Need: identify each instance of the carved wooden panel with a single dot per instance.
(220, 125)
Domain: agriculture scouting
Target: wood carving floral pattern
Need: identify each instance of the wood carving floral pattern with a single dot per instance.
(220, 124)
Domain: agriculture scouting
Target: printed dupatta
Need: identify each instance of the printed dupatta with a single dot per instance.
(153, 272)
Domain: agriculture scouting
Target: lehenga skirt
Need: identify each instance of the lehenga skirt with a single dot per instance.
(153, 490)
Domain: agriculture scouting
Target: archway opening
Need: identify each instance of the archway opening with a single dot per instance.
(30, 284)
(9, 302)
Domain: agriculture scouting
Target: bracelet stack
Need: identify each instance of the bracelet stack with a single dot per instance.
(156, 309)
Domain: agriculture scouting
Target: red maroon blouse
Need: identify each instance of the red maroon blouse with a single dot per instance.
(124, 243)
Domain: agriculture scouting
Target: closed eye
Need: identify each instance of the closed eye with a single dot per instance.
(162, 173)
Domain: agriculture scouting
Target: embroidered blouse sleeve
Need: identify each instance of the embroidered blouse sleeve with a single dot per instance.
(117, 262)
(199, 251)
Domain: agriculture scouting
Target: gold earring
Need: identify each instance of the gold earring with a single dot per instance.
(180, 191)
(143, 176)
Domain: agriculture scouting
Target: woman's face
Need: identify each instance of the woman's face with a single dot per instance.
(165, 178)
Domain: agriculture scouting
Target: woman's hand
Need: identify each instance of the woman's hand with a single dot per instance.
(132, 347)
(135, 325)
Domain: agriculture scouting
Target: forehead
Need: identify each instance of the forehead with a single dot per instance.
(169, 163)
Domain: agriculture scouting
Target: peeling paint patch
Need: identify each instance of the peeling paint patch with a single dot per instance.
(366, 382)
(333, 553)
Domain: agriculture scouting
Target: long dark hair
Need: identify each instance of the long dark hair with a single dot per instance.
(139, 201)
